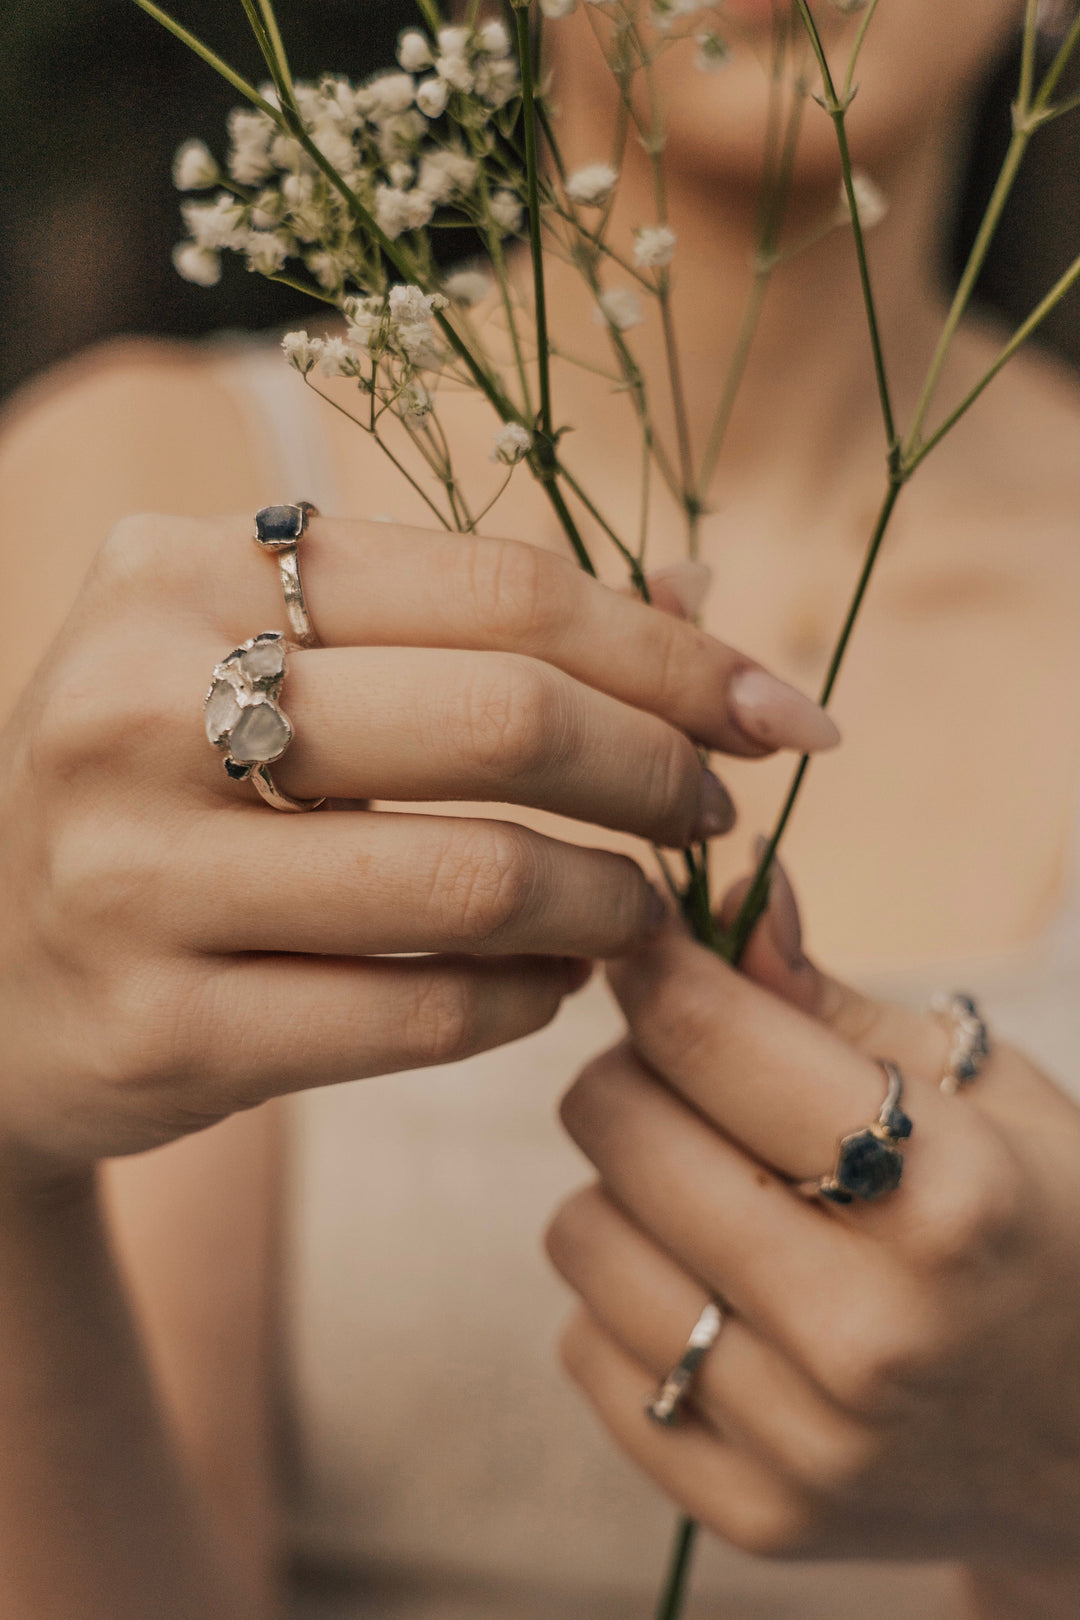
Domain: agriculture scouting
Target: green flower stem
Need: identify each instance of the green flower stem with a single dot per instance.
(277, 44)
(208, 56)
(864, 23)
(682, 1552)
(837, 111)
(536, 252)
(1019, 337)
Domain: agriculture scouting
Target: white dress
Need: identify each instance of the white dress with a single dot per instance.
(446, 1469)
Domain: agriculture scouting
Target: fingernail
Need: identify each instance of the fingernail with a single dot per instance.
(688, 582)
(717, 814)
(776, 715)
(785, 925)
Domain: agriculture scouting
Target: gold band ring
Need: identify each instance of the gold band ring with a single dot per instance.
(280, 529)
(244, 720)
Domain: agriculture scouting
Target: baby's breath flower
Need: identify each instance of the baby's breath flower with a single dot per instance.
(870, 200)
(432, 96)
(413, 51)
(493, 38)
(654, 246)
(268, 209)
(849, 7)
(335, 144)
(302, 351)
(496, 80)
(217, 224)
(414, 403)
(666, 12)
(337, 359)
(327, 269)
(456, 72)
(194, 167)
(454, 41)
(506, 211)
(365, 320)
(511, 444)
(252, 134)
(467, 287)
(198, 264)
(712, 51)
(266, 252)
(592, 186)
(392, 92)
(553, 10)
(446, 174)
(397, 210)
(619, 307)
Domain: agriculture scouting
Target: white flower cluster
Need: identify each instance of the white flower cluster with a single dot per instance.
(386, 140)
(389, 340)
(870, 200)
(654, 246)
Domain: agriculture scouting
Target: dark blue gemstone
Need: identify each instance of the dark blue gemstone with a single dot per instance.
(238, 771)
(867, 1167)
(279, 524)
(965, 1069)
(897, 1123)
(835, 1194)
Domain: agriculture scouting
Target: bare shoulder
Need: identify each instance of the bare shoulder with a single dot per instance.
(127, 427)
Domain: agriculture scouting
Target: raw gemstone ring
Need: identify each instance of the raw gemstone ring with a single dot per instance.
(969, 1045)
(244, 720)
(869, 1162)
(279, 530)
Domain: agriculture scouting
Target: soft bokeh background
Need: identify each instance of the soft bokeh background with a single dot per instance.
(97, 97)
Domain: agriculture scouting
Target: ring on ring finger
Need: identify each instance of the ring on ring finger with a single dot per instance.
(665, 1406)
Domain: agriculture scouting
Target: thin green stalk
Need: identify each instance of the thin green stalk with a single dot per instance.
(371, 430)
(837, 110)
(1019, 337)
(277, 44)
(532, 181)
(210, 57)
(637, 578)
(682, 1552)
(856, 47)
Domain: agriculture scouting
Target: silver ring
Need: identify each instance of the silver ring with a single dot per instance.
(869, 1162)
(970, 1044)
(280, 529)
(244, 720)
(664, 1407)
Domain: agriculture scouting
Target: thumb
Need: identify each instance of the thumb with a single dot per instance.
(774, 958)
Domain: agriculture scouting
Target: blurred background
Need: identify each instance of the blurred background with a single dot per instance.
(97, 97)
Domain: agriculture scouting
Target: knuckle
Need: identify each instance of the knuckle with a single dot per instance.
(132, 554)
(516, 719)
(872, 1367)
(568, 1232)
(94, 879)
(776, 1526)
(832, 1461)
(441, 1024)
(967, 1214)
(488, 880)
(516, 590)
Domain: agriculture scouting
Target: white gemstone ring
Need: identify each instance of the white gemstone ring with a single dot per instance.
(243, 718)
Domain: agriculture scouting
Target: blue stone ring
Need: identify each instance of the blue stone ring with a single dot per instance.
(280, 529)
(869, 1162)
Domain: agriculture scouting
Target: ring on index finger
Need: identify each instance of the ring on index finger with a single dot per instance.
(279, 530)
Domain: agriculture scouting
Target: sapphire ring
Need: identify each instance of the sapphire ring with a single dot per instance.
(279, 530)
(869, 1162)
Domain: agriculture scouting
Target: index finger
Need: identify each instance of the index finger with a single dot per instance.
(371, 583)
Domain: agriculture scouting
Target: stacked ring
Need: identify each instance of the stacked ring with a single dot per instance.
(970, 1044)
(280, 529)
(244, 719)
(869, 1162)
(664, 1407)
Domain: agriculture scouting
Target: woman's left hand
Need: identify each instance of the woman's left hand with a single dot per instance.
(893, 1379)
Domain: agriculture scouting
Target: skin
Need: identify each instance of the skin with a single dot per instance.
(929, 699)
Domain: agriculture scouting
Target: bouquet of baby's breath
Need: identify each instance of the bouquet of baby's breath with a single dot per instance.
(336, 188)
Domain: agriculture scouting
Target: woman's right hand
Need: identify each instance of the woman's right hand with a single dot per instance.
(171, 950)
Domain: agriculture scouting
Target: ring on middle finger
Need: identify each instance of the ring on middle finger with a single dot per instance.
(869, 1162)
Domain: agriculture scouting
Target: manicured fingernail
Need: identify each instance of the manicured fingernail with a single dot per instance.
(717, 814)
(776, 715)
(688, 582)
(785, 924)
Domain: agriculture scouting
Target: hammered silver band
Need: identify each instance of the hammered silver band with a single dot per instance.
(969, 1043)
(279, 530)
(665, 1406)
(244, 720)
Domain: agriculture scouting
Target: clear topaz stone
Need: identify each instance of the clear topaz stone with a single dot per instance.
(264, 662)
(222, 712)
(260, 735)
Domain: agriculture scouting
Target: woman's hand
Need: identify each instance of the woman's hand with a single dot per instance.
(893, 1380)
(172, 950)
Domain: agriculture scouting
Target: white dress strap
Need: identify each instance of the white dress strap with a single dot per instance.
(284, 420)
